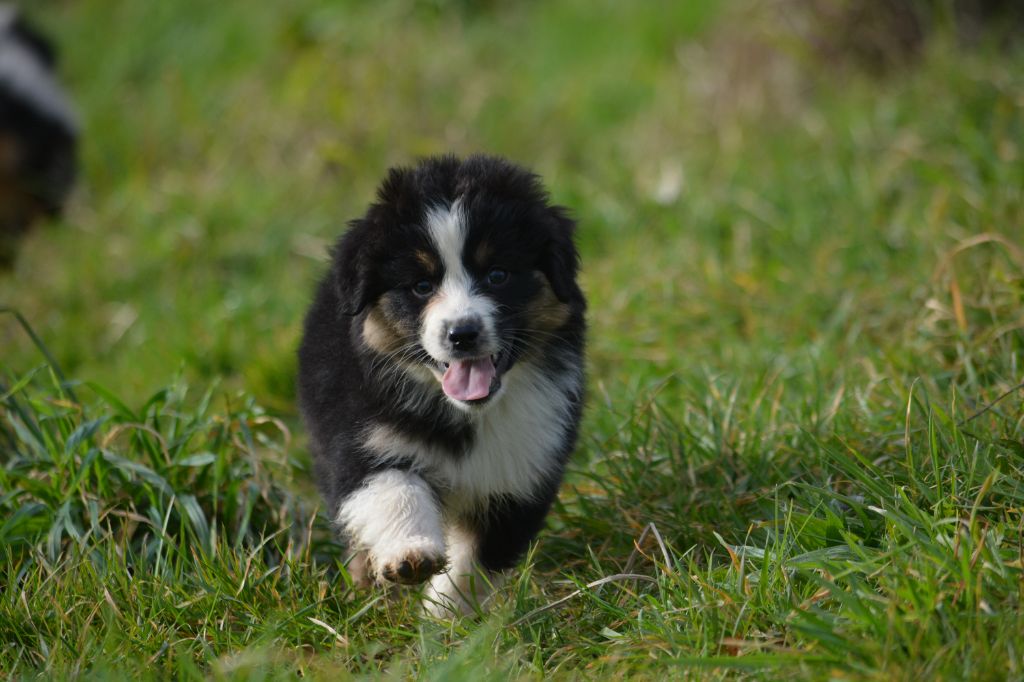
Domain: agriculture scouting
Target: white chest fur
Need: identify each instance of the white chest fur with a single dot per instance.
(515, 445)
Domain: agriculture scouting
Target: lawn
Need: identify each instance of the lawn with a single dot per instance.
(803, 452)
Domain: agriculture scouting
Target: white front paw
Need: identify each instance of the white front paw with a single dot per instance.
(407, 562)
(394, 519)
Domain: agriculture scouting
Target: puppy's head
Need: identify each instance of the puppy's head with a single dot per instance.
(460, 271)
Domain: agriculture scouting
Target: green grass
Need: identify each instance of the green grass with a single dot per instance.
(806, 425)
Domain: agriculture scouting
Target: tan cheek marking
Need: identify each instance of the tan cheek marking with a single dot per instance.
(546, 311)
(379, 332)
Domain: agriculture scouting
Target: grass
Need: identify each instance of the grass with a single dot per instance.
(806, 422)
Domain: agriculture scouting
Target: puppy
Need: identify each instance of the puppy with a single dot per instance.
(38, 132)
(441, 375)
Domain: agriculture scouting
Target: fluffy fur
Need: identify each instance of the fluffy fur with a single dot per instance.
(441, 375)
(38, 132)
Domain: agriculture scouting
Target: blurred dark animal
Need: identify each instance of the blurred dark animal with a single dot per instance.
(881, 34)
(38, 132)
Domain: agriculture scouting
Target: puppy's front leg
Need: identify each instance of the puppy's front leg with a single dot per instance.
(395, 519)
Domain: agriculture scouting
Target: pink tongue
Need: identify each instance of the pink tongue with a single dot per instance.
(468, 379)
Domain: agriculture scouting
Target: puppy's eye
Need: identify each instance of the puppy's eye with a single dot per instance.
(423, 288)
(497, 276)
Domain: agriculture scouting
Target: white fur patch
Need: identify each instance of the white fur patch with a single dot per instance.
(23, 73)
(463, 587)
(515, 442)
(392, 516)
(455, 299)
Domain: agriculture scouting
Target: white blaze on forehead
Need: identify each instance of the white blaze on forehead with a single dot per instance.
(447, 227)
(455, 299)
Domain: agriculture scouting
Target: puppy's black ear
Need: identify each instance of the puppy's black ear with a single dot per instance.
(351, 270)
(561, 260)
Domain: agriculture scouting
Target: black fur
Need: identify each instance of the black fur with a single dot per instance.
(341, 388)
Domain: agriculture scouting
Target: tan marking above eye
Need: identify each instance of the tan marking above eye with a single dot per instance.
(428, 261)
(483, 253)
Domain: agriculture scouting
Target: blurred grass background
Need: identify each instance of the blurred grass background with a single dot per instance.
(237, 143)
(802, 244)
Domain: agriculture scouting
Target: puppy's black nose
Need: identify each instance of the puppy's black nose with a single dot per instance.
(463, 335)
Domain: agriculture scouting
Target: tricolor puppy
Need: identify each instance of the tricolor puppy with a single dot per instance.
(441, 374)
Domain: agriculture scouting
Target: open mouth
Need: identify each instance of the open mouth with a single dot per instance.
(473, 380)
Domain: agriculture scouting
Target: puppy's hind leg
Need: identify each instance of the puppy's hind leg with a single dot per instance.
(395, 519)
(481, 552)
(462, 589)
